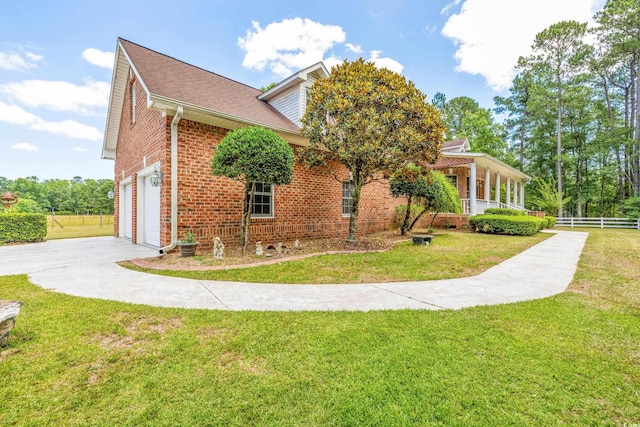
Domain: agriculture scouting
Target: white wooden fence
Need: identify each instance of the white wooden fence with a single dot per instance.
(599, 222)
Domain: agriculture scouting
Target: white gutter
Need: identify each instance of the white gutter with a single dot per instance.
(174, 180)
(164, 102)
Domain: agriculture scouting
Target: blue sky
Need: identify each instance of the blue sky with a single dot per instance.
(56, 57)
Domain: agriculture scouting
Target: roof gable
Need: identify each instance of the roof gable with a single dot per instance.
(318, 70)
(169, 82)
(456, 146)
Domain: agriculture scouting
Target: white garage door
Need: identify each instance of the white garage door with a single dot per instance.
(128, 211)
(151, 214)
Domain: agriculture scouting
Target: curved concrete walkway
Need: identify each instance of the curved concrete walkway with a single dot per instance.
(87, 268)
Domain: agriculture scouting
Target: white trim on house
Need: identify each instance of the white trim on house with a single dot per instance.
(296, 79)
(123, 212)
(141, 203)
(121, 69)
(347, 201)
(271, 203)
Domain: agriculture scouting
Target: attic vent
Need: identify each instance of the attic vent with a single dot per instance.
(133, 102)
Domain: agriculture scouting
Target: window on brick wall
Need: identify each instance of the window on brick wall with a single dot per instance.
(133, 102)
(262, 201)
(347, 197)
(453, 179)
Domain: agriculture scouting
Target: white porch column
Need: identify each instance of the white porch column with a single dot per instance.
(515, 193)
(498, 187)
(508, 191)
(487, 184)
(522, 194)
(472, 189)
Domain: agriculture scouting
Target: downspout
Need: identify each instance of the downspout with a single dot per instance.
(174, 181)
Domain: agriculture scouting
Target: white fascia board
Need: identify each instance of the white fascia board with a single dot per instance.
(135, 71)
(169, 105)
(114, 112)
(108, 137)
(489, 160)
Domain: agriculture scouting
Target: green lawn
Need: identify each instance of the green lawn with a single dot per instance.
(572, 359)
(74, 231)
(72, 226)
(451, 254)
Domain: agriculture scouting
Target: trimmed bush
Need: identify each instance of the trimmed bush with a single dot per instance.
(22, 227)
(503, 211)
(520, 225)
(551, 221)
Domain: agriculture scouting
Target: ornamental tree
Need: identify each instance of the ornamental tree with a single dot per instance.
(430, 190)
(413, 183)
(253, 155)
(373, 121)
(446, 199)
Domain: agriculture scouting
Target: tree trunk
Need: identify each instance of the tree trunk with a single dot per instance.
(355, 205)
(559, 145)
(405, 223)
(433, 219)
(247, 202)
(415, 220)
(522, 138)
(616, 136)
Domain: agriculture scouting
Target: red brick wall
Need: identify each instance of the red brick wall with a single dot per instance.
(145, 137)
(309, 207)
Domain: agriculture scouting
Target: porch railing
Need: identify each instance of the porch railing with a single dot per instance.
(482, 204)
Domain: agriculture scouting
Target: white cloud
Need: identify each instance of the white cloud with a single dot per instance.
(332, 61)
(453, 4)
(356, 48)
(80, 149)
(60, 95)
(15, 61)
(24, 146)
(71, 128)
(490, 35)
(388, 63)
(288, 46)
(99, 58)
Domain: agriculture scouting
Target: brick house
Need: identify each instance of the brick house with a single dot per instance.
(164, 121)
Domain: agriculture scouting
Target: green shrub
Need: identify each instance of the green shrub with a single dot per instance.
(22, 227)
(631, 207)
(521, 225)
(551, 221)
(503, 211)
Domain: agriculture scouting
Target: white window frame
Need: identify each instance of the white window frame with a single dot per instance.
(271, 201)
(347, 200)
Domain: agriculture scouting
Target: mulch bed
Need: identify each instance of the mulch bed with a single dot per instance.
(234, 258)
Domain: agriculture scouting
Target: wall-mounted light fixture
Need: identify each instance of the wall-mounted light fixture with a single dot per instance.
(111, 194)
(156, 177)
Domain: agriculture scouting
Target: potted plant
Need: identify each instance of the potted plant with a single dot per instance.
(187, 245)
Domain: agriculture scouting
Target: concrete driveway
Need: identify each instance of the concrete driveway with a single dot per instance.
(87, 268)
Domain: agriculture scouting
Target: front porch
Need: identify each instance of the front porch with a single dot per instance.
(495, 184)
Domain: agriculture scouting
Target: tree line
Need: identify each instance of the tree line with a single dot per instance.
(572, 116)
(76, 196)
